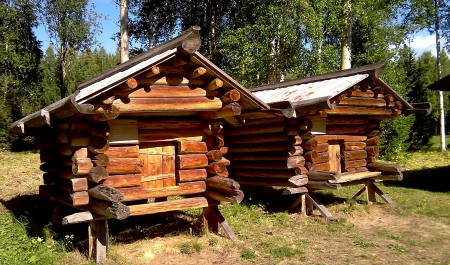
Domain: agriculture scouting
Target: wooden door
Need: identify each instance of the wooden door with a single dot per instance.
(158, 161)
(334, 151)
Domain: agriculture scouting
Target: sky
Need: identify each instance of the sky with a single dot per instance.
(422, 41)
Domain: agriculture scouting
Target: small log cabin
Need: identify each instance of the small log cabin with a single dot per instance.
(133, 136)
(328, 138)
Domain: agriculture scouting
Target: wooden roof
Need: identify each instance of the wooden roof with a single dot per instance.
(442, 84)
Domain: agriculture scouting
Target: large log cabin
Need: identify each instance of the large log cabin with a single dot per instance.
(133, 136)
(330, 140)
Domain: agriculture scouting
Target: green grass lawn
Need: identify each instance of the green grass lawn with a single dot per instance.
(414, 230)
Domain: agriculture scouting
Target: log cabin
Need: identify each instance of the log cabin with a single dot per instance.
(328, 138)
(133, 139)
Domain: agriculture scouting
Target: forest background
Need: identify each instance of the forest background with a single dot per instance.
(255, 41)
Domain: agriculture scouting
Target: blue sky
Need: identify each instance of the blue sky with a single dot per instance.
(421, 41)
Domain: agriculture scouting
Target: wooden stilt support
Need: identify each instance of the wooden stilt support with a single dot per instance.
(381, 194)
(370, 194)
(212, 218)
(319, 206)
(371, 189)
(98, 240)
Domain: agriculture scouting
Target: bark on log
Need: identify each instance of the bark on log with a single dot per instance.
(110, 209)
(222, 184)
(352, 146)
(224, 198)
(192, 161)
(192, 147)
(354, 155)
(158, 207)
(105, 193)
(354, 163)
(142, 105)
(324, 175)
(97, 174)
(98, 145)
(191, 175)
(81, 166)
(187, 188)
(322, 185)
(122, 181)
(385, 168)
(121, 166)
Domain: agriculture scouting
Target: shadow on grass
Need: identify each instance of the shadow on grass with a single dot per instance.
(37, 212)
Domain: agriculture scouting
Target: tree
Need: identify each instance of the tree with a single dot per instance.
(19, 66)
(71, 27)
(49, 85)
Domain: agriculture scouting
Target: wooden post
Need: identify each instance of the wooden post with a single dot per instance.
(99, 237)
(370, 193)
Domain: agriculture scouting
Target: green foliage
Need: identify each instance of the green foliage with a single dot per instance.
(19, 248)
(363, 244)
(190, 247)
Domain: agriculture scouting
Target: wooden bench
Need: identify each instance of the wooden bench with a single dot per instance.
(308, 199)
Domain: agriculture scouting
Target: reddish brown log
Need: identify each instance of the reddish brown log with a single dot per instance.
(373, 124)
(81, 166)
(176, 205)
(346, 110)
(152, 72)
(104, 113)
(214, 84)
(296, 190)
(99, 129)
(372, 150)
(214, 142)
(224, 198)
(367, 94)
(165, 91)
(192, 147)
(256, 129)
(373, 141)
(130, 151)
(106, 98)
(214, 155)
(311, 144)
(61, 138)
(98, 145)
(389, 98)
(122, 166)
(192, 161)
(225, 161)
(79, 198)
(301, 170)
(389, 169)
(197, 72)
(371, 159)
(321, 147)
(216, 168)
(294, 181)
(299, 161)
(131, 83)
(354, 155)
(350, 138)
(324, 175)
(191, 175)
(73, 185)
(159, 135)
(354, 163)
(262, 173)
(121, 181)
(143, 105)
(231, 96)
(346, 129)
(100, 160)
(268, 156)
(223, 150)
(228, 110)
(78, 125)
(323, 157)
(311, 155)
(363, 102)
(187, 188)
(168, 123)
(351, 146)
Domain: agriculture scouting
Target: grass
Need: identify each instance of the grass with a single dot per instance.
(418, 223)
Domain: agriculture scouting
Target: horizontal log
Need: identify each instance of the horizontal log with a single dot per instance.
(373, 141)
(216, 168)
(268, 156)
(79, 198)
(322, 185)
(366, 94)
(99, 129)
(82, 217)
(215, 142)
(97, 174)
(214, 155)
(269, 164)
(104, 113)
(322, 157)
(192, 147)
(168, 123)
(351, 138)
(347, 129)
(121, 181)
(372, 150)
(345, 110)
(354, 163)
(105, 193)
(323, 175)
(260, 147)
(73, 185)
(100, 160)
(139, 105)
(197, 72)
(385, 168)
(294, 181)
(122, 166)
(62, 137)
(228, 110)
(187, 188)
(397, 177)
(217, 196)
(262, 138)
(110, 209)
(297, 190)
(374, 132)
(262, 173)
(163, 91)
(311, 155)
(301, 170)
(171, 80)
(79, 139)
(232, 95)
(192, 161)
(81, 166)
(160, 135)
(344, 119)
(371, 159)
(354, 170)
(256, 129)
(131, 83)
(318, 167)
(191, 175)
(362, 102)
(351, 146)
(176, 205)
(263, 120)
(354, 155)
(98, 145)
(223, 185)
